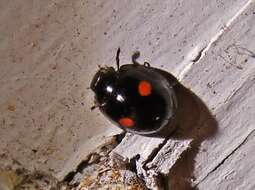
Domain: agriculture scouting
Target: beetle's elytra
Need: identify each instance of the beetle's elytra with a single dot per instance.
(135, 97)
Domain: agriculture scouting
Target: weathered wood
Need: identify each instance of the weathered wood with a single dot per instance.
(236, 171)
(205, 78)
(226, 83)
(50, 50)
(146, 147)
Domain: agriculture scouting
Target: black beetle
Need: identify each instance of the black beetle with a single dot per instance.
(137, 98)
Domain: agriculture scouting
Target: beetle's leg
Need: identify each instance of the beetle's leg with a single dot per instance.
(118, 59)
(93, 107)
(135, 56)
(97, 106)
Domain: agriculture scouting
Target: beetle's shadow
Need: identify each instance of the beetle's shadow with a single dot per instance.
(194, 121)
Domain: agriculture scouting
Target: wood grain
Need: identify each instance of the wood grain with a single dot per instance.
(49, 51)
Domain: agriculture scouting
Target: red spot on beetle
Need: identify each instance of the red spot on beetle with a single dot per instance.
(144, 88)
(126, 122)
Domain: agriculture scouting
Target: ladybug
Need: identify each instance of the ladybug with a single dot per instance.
(137, 98)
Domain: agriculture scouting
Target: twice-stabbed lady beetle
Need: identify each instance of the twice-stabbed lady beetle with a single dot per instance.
(137, 98)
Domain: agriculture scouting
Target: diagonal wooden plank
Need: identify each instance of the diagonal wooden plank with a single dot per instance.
(237, 171)
(193, 77)
(176, 68)
(49, 52)
(224, 79)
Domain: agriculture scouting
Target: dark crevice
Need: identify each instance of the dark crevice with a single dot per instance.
(155, 152)
(120, 137)
(85, 163)
(69, 177)
(181, 174)
(132, 163)
(161, 179)
(164, 182)
(199, 55)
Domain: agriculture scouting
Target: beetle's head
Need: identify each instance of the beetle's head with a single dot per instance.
(103, 81)
(104, 77)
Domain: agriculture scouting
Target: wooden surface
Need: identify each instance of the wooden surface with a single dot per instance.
(49, 50)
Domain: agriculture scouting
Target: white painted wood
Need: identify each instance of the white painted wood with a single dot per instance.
(49, 51)
(168, 155)
(226, 83)
(146, 146)
(237, 171)
(46, 51)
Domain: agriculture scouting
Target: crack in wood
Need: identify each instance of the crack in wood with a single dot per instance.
(226, 158)
(103, 150)
(152, 179)
(198, 56)
(154, 153)
(189, 62)
(218, 35)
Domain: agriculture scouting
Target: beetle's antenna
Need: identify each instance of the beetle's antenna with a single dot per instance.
(118, 58)
(135, 56)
